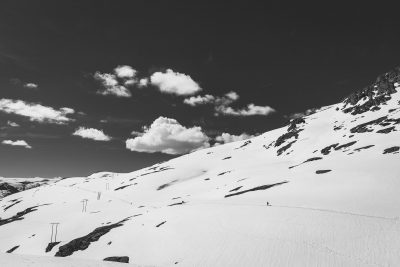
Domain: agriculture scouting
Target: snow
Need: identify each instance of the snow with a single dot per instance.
(346, 217)
(42, 261)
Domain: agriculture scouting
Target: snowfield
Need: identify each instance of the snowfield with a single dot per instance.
(332, 181)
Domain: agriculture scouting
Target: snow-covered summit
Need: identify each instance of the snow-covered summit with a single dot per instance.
(321, 191)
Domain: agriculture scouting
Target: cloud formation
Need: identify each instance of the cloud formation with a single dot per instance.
(222, 105)
(111, 85)
(36, 112)
(91, 133)
(250, 110)
(143, 82)
(199, 100)
(12, 124)
(20, 143)
(125, 72)
(224, 100)
(171, 82)
(168, 136)
(225, 138)
(31, 85)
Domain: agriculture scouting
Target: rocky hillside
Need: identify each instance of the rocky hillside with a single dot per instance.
(321, 191)
(9, 186)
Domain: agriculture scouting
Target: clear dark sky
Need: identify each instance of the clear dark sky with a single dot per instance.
(288, 58)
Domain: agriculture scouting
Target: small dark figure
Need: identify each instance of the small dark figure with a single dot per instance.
(268, 204)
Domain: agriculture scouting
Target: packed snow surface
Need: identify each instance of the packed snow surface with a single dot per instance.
(323, 191)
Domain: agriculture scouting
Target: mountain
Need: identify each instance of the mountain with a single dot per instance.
(322, 191)
(9, 186)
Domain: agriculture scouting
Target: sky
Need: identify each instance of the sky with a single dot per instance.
(88, 86)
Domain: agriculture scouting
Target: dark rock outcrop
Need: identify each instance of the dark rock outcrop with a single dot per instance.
(345, 145)
(83, 242)
(322, 171)
(391, 150)
(12, 249)
(262, 187)
(8, 189)
(123, 259)
(327, 150)
(51, 245)
(19, 216)
(363, 127)
(374, 95)
(364, 147)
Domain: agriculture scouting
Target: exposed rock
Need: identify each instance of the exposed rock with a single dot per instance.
(391, 150)
(322, 171)
(14, 203)
(284, 148)
(8, 189)
(308, 160)
(222, 173)
(345, 145)
(161, 187)
(262, 187)
(312, 159)
(363, 127)
(294, 123)
(123, 259)
(19, 215)
(374, 95)
(12, 249)
(51, 245)
(83, 242)
(178, 203)
(327, 150)
(159, 170)
(387, 130)
(281, 139)
(122, 187)
(246, 143)
(158, 225)
(235, 189)
(364, 147)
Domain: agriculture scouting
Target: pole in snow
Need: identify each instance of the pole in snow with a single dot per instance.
(84, 204)
(54, 225)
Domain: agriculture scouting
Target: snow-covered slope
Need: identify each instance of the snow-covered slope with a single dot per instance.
(332, 181)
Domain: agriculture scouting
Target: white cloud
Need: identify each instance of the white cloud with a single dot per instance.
(16, 143)
(130, 82)
(31, 85)
(250, 110)
(174, 83)
(222, 105)
(224, 100)
(91, 133)
(168, 136)
(143, 82)
(12, 124)
(199, 100)
(228, 138)
(36, 112)
(232, 96)
(125, 72)
(111, 85)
